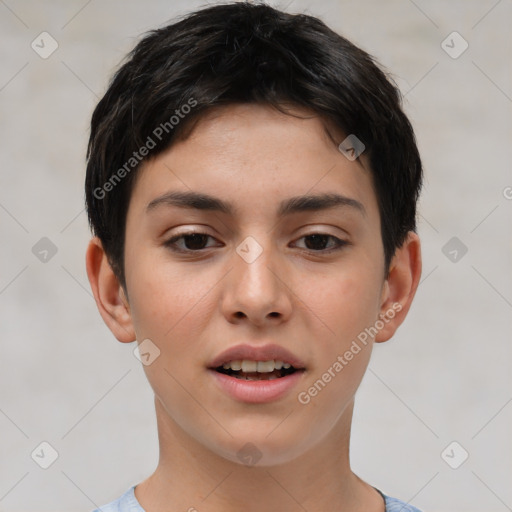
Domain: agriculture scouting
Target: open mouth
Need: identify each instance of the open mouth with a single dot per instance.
(257, 370)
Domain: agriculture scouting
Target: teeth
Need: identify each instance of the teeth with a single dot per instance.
(255, 366)
(265, 366)
(249, 366)
(233, 365)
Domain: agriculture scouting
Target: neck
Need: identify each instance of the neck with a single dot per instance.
(190, 477)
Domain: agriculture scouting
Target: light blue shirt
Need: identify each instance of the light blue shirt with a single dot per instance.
(128, 503)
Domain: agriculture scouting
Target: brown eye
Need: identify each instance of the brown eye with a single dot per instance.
(193, 242)
(317, 242)
(196, 242)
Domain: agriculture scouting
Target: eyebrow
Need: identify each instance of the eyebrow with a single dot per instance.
(305, 203)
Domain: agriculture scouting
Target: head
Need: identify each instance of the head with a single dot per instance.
(220, 124)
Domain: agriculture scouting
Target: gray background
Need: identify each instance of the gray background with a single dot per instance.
(446, 375)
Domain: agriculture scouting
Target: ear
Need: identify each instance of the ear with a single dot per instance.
(400, 286)
(108, 293)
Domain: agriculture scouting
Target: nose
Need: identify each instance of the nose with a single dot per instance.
(258, 287)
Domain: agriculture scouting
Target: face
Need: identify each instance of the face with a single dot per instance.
(253, 265)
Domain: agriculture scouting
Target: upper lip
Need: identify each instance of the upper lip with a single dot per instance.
(256, 353)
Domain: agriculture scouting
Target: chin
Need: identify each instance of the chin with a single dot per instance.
(259, 449)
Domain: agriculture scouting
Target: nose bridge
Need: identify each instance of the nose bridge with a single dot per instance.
(255, 256)
(255, 285)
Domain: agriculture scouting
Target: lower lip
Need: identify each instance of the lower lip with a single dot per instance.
(256, 391)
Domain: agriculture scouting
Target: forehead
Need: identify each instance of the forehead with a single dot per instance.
(248, 123)
(247, 153)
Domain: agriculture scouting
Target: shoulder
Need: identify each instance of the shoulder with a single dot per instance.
(396, 505)
(125, 503)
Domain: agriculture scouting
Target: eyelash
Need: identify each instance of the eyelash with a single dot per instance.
(170, 244)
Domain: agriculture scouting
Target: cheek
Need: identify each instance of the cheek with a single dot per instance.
(164, 300)
(169, 307)
(346, 302)
(346, 305)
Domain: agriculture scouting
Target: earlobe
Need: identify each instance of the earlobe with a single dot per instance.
(108, 293)
(400, 286)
